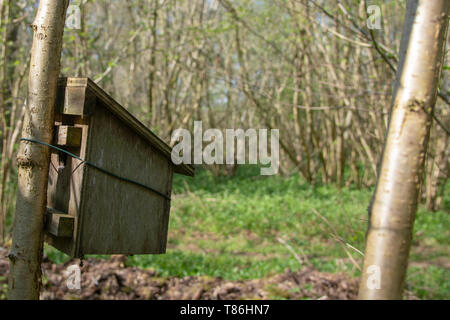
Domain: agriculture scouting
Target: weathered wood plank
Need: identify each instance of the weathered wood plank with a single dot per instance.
(120, 217)
(59, 224)
(68, 136)
(65, 181)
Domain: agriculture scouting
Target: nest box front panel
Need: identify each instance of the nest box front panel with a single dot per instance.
(118, 217)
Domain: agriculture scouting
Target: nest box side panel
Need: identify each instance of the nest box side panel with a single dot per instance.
(65, 179)
(119, 217)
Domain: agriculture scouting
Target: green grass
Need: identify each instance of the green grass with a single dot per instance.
(230, 228)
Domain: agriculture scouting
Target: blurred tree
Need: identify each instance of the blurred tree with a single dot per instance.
(395, 200)
(310, 68)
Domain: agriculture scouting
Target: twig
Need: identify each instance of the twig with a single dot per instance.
(341, 241)
(118, 58)
(291, 250)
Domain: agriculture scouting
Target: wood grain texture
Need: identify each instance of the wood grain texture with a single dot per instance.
(81, 93)
(111, 216)
(120, 217)
(68, 136)
(65, 181)
(59, 224)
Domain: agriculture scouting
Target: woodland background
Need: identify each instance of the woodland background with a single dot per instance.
(311, 69)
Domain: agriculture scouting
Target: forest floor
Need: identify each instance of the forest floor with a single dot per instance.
(253, 237)
(110, 279)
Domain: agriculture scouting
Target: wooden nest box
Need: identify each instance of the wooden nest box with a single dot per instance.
(118, 201)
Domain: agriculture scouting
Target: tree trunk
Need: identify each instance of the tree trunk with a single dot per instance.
(4, 23)
(33, 159)
(395, 200)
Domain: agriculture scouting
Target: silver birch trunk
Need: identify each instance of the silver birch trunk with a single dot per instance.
(395, 200)
(33, 159)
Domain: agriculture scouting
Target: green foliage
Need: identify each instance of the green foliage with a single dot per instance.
(226, 265)
(229, 228)
(430, 282)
